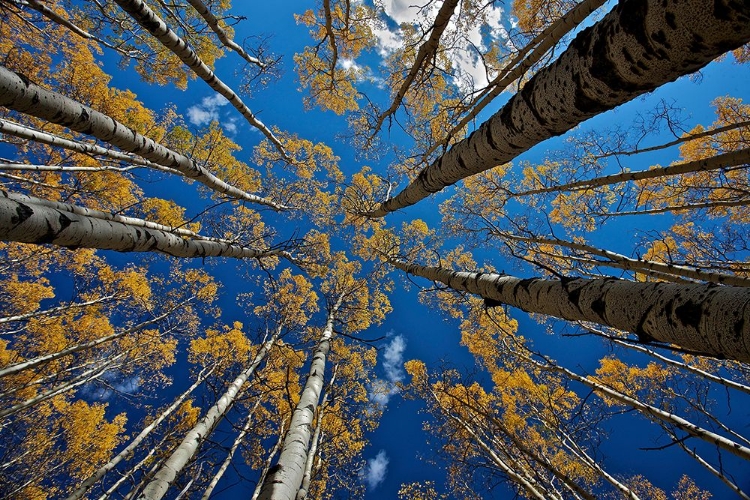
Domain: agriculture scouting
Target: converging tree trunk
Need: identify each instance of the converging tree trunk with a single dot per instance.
(639, 46)
(20, 94)
(286, 478)
(172, 467)
(34, 223)
(704, 318)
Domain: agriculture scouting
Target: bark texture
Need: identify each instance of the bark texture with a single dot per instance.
(20, 94)
(639, 46)
(32, 223)
(706, 318)
(285, 480)
(172, 467)
(148, 19)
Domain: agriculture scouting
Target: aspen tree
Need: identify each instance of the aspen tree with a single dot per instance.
(597, 79)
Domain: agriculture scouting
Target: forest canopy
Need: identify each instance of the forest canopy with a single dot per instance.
(367, 249)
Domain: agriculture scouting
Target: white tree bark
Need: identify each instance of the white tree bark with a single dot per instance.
(126, 452)
(654, 413)
(620, 261)
(639, 46)
(148, 19)
(713, 320)
(717, 162)
(20, 94)
(46, 358)
(213, 23)
(30, 134)
(286, 479)
(169, 471)
(230, 455)
(32, 223)
(269, 461)
(51, 311)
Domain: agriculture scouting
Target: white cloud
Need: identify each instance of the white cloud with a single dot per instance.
(381, 390)
(394, 359)
(376, 469)
(208, 110)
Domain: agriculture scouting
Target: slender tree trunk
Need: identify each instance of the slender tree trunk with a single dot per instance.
(285, 481)
(173, 466)
(713, 320)
(228, 460)
(718, 473)
(136, 441)
(426, 52)
(213, 23)
(23, 132)
(654, 413)
(639, 46)
(83, 378)
(20, 94)
(51, 311)
(315, 442)
(46, 358)
(32, 223)
(717, 162)
(148, 19)
(624, 262)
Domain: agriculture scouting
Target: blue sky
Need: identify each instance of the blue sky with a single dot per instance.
(399, 449)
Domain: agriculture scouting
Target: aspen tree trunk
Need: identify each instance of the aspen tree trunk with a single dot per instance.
(83, 378)
(267, 466)
(620, 261)
(32, 223)
(528, 484)
(525, 59)
(23, 132)
(639, 46)
(315, 442)
(127, 452)
(213, 23)
(285, 481)
(717, 162)
(51, 311)
(654, 413)
(46, 358)
(98, 214)
(20, 94)
(719, 474)
(143, 15)
(713, 320)
(172, 467)
(228, 460)
(426, 51)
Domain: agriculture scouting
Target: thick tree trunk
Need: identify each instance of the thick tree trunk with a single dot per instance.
(709, 319)
(289, 471)
(531, 54)
(269, 460)
(172, 467)
(33, 223)
(639, 46)
(20, 94)
(148, 19)
(126, 452)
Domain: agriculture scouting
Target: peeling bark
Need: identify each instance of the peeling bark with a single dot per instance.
(639, 46)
